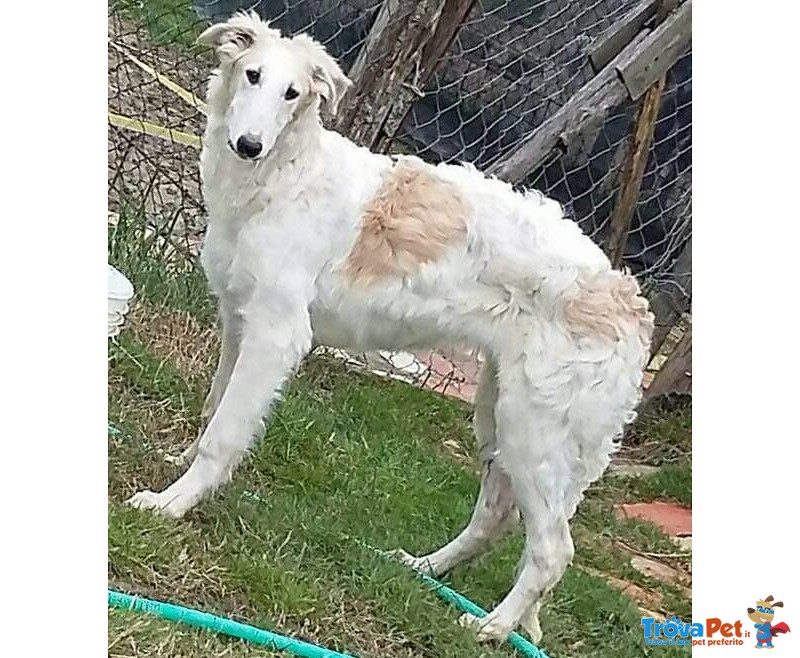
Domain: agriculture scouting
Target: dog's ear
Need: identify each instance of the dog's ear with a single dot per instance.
(231, 38)
(777, 604)
(327, 78)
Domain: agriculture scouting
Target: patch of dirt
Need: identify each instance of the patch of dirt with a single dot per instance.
(642, 596)
(672, 568)
(663, 572)
(674, 520)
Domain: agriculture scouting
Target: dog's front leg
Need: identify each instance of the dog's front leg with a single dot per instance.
(231, 326)
(274, 339)
(231, 330)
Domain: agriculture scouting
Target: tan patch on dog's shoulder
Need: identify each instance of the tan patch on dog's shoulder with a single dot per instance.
(609, 305)
(412, 220)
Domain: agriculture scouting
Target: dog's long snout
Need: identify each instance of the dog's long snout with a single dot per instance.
(248, 146)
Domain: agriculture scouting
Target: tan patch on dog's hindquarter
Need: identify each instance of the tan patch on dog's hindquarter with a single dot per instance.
(412, 220)
(609, 305)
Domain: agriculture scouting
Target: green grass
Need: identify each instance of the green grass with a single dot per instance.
(161, 272)
(671, 482)
(663, 432)
(662, 436)
(171, 22)
(346, 456)
(141, 636)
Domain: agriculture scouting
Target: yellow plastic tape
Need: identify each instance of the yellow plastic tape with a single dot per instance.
(154, 130)
(170, 84)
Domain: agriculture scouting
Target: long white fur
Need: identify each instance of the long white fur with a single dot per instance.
(549, 406)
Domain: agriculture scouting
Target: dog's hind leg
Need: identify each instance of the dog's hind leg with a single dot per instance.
(530, 622)
(494, 511)
(533, 436)
(557, 414)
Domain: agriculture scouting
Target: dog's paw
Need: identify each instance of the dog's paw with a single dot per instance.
(164, 503)
(531, 625)
(490, 627)
(421, 564)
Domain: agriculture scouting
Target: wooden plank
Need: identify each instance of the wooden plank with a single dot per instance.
(390, 53)
(621, 33)
(675, 376)
(581, 117)
(392, 12)
(658, 52)
(669, 303)
(666, 7)
(454, 13)
(633, 171)
(575, 122)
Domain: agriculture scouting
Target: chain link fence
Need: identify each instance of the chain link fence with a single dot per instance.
(511, 65)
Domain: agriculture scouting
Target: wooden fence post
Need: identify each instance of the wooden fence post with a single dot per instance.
(676, 373)
(387, 59)
(633, 171)
(609, 44)
(669, 303)
(454, 13)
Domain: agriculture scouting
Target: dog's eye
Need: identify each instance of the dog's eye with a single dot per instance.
(291, 93)
(253, 76)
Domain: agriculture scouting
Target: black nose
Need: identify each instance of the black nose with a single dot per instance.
(248, 146)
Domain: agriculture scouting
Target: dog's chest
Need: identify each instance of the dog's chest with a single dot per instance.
(235, 260)
(245, 224)
(267, 248)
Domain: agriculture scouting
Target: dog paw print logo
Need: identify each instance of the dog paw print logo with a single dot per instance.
(762, 615)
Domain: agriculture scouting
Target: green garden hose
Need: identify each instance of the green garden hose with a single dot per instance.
(465, 605)
(216, 624)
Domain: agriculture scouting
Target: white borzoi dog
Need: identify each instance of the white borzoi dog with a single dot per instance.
(315, 240)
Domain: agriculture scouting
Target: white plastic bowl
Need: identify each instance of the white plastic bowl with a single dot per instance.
(120, 292)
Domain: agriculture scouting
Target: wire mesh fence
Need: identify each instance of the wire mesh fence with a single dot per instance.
(510, 66)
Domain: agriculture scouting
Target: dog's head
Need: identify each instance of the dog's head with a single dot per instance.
(764, 611)
(268, 81)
